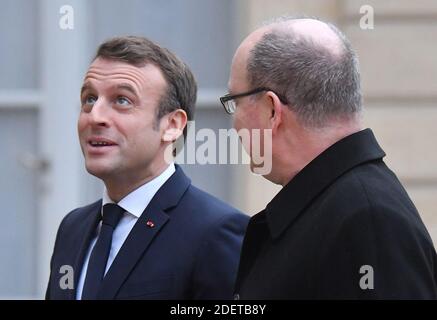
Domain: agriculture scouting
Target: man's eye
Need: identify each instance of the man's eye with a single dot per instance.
(123, 101)
(89, 100)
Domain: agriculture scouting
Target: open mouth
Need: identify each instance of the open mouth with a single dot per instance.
(100, 143)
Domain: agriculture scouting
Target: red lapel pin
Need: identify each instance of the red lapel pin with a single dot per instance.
(150, 224)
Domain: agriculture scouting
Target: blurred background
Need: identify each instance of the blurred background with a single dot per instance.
(42, 175)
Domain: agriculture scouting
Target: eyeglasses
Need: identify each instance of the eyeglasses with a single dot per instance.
(228, 101)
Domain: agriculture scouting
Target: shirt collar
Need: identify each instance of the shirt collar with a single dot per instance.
(136, 202)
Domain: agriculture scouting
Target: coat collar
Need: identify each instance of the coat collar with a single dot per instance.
(342, 156)
(84, 233)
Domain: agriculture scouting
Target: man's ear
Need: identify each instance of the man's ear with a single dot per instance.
(275, 111)
(174, 126)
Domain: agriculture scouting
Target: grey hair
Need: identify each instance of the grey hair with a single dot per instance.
(318, 84)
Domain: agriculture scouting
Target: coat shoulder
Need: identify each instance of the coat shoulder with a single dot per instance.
(377, 201)
(77, 215)
(210, 206)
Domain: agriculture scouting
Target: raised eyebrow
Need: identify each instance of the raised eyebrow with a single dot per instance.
(86, 86)
(127, 87)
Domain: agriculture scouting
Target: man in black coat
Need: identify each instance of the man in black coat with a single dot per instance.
(342, 227)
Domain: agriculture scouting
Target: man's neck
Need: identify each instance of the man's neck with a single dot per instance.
(120, 187)
(307, 146)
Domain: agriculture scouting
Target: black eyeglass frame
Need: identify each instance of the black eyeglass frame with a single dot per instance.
(229, 97)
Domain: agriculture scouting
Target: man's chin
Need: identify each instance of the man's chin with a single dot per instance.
(98, 171)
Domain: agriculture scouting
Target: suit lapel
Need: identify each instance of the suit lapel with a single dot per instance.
(142, 234)
(132, 250)
(84, 238)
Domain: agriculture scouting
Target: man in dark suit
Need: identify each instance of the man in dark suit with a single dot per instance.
(153, 235)
(342, 227)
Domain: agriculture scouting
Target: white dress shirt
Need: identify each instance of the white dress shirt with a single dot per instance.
(134, 203)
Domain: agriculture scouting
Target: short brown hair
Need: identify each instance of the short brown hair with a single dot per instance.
(181, 85)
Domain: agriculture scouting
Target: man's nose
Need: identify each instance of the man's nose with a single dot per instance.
(99, 114)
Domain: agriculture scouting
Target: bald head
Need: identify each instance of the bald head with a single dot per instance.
(306, 60)
(316, 31)
(312, 30)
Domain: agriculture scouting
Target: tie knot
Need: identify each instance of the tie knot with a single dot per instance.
(112, 214)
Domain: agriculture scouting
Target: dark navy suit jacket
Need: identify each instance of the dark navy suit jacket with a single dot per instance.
(191, 251)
